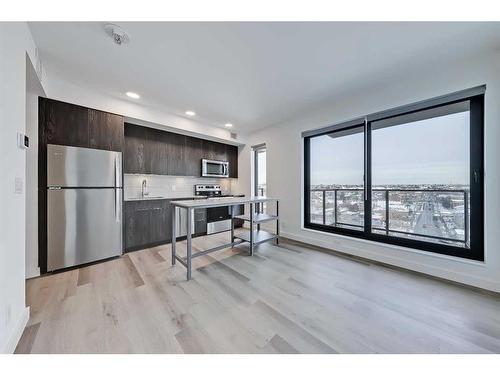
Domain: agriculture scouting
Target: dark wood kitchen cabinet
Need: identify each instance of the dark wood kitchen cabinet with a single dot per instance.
(200, 221)
(232, 158)
(146, 223)
(155, 154)
(193, 155)
(214, 150)
(134, 152)
(175, 147)
(63, 123)
(160, 229)
(136, 224)
(105, 130)
(153, 151)
(73, 125)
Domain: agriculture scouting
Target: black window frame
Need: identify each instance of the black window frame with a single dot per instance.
(475, 96)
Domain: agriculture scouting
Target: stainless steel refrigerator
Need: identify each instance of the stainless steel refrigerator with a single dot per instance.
(84, 205)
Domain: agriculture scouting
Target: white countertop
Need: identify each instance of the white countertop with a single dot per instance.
(219, 202)
(181, 198)
(153, 198)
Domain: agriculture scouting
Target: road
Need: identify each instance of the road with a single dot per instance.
(425, 223)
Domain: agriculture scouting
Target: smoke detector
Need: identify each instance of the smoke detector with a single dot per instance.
(119, 35)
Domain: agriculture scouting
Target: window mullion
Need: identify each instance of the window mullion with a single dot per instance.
(367, 180)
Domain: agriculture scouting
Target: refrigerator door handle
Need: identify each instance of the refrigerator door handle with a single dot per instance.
(117, 205)
(117, 171)
(117, 189)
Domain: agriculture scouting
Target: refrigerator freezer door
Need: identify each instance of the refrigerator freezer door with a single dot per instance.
(84, 225)
(83, 167)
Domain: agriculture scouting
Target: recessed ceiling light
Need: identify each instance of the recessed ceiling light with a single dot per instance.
(228, 125)
(190, 113)
(132, 95)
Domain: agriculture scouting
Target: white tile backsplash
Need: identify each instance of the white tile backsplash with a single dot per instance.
(168, 186)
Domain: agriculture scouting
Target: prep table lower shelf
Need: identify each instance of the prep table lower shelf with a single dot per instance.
(253, 237)
(259, 236)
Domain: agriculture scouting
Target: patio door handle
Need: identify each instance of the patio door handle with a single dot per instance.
(476, 176)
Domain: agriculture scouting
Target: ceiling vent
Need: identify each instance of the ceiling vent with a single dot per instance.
(119, 35)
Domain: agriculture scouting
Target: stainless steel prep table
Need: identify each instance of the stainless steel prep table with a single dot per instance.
(252, 237)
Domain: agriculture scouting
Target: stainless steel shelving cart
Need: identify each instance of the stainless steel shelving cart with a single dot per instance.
(256, 237)
(253, 237)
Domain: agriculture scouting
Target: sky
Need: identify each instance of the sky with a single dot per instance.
(261, 170)
(431, 151)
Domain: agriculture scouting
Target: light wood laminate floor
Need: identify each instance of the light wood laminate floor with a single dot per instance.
(286, 299)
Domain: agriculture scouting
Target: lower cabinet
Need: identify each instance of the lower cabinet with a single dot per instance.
(200, 221)
(148, 223)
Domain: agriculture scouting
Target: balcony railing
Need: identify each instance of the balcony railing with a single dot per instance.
(423, 205)
(261, 191)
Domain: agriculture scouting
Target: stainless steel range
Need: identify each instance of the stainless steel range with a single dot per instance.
(213, 190)
(218, 218)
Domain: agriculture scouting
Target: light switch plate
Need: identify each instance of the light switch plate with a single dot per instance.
(18, 185)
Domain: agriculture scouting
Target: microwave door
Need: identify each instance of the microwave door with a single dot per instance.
(214, 169)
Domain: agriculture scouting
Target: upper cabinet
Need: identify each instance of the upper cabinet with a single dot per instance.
(193, 153)
(232, 158)
(72, 125)
(134, 151)
(105, 130)
(153, 151)
(63, 123)
(214, 150)
(145, 150)
(175, 153)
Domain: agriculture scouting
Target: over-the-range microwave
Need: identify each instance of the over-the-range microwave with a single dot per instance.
(214, 168)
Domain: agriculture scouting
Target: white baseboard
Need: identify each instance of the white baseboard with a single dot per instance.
(16, 334)
(31, 273)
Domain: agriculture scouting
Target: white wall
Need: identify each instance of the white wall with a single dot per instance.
(33, 90)
(284, 164)
(15, 43)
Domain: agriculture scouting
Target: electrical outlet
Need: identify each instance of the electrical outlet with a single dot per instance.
(18, 185)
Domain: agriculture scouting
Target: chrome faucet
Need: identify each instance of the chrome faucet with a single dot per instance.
(144, 192)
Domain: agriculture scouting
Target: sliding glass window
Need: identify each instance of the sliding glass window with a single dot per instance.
(336, 180)
(422, 165)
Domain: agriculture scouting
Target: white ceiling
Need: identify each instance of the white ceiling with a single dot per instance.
(250, 74)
